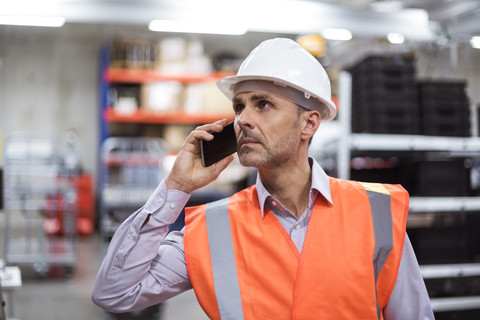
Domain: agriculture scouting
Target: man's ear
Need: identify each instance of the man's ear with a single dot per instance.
(311, 122)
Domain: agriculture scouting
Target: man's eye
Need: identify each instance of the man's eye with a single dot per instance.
(238, 108)
(264, 104)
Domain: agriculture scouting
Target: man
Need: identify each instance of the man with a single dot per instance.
(296, 245)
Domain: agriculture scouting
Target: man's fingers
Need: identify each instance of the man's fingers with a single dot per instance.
(204, 132)
(217, 126)
(199, 135)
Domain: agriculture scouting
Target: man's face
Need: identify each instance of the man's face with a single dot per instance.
(267, 129)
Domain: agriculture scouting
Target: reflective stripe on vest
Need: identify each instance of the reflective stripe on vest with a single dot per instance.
(225, 278)
(224, 269)
(382, 229)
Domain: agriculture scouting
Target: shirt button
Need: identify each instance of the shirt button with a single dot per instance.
(172, 206)
(160, 199)
(274, 203)
(297, 226)
(133, 234)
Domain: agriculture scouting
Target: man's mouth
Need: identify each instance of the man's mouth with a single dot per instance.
(247, 142)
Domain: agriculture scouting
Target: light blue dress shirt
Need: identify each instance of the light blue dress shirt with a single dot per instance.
(144, 265)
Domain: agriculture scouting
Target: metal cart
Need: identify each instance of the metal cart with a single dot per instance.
(40, 199)
(132, 168)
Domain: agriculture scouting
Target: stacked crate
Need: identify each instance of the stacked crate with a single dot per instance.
(384, 95)
(448, 178)
(444, 108)
(450, 238)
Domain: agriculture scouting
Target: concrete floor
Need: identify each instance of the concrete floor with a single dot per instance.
(56, 296)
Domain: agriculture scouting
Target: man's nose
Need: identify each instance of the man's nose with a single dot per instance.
(245, 118)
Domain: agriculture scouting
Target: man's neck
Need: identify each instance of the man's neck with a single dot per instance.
(290, 184)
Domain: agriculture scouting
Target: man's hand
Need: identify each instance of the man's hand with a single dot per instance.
(188, 173)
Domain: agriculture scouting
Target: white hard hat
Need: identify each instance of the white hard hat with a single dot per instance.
(286, 63)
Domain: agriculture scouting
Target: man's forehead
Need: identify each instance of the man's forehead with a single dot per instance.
(255, 96)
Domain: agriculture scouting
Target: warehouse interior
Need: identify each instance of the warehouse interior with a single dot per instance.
(96, 102)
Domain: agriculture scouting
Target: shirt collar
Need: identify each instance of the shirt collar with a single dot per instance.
(320, 183)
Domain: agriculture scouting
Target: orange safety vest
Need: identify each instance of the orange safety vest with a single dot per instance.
(244, 267)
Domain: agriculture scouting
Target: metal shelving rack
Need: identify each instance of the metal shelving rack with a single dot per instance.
(132, 167)
(347, 142)
(40, 199)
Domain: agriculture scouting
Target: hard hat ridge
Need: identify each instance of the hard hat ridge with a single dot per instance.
(285, 63)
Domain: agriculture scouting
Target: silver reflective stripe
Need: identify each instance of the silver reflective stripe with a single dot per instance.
(225, 278)
(383, 231)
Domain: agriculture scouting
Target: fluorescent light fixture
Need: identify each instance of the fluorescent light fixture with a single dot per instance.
(192, 26)
(475, 42)
(336, 34)
(34, 21)
(386, 6)
(395, 38)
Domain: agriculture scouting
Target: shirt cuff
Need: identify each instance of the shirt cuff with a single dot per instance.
(171, 201)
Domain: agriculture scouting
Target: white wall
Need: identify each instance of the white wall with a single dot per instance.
(49, 82)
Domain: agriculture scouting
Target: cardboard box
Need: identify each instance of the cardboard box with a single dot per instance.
(162, 96)
(214, 101)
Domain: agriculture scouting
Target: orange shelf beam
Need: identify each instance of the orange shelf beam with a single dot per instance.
(145, 75)
(164, 117)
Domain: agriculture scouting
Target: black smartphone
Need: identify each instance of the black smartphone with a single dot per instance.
(224, 143)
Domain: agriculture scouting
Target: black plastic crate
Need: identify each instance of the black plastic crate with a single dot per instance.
(457, 115)
(456, 125)
(386, 117)
(440, 177)
(389, 126)
(445, 106)
(446, 129)
(376, 115)
(472, 314)
(454, 287)
(445, 118)
(386, 175)
(387, 63)
(386, 124)
(442, 90)
(452, 237)
(373, 78)
(406, 105)
(385, 92)
(392, 127)
(366, 105)
(437, 245)
(393, 85)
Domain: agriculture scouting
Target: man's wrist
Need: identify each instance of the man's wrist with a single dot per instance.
(172, 184)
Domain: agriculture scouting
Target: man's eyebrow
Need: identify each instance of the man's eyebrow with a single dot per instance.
(259, 96)
(253, 98)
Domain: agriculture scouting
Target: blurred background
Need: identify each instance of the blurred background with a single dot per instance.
(97, 96)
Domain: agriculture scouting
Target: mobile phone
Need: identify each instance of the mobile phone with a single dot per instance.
(224, 143)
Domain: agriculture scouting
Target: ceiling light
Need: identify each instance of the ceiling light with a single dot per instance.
(337, 34)
(386, 6)
(395, 38)
(34, 21)
(475, 42)
(200, 26)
